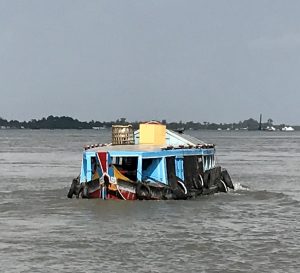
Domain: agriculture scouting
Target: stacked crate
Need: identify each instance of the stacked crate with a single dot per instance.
(122, 135)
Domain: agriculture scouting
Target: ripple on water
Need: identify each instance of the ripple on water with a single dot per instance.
(251, 229)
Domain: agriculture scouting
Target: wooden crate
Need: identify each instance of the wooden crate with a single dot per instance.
(122, 135)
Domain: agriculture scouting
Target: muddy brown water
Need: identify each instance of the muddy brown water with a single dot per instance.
(252, 229)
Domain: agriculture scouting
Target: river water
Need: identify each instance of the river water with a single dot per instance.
(252, 229)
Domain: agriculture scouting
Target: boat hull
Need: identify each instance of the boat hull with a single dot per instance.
(210, 182)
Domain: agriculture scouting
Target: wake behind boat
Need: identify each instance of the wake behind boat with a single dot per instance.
(152, 163)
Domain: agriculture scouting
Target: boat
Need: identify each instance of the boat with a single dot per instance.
(151, 163)
(270, 129)
(287, 129)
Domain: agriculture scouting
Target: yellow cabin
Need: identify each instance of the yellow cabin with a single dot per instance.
(152, 133)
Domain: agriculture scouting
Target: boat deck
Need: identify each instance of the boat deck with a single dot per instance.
(129, 148)
(149, 150)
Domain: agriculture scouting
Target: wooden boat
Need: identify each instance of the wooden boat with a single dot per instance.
(152, 163)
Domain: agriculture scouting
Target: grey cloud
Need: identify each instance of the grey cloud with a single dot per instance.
(283, 41)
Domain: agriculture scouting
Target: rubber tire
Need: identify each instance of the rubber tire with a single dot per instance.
(143, 191)
(71, 190)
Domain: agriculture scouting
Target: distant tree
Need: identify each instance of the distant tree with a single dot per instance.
(3, 122)
(270, 122)
(65, 122)
(14, 124)
(122, 121)
(250, 123)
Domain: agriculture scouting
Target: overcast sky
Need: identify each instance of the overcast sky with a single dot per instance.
(216, 61)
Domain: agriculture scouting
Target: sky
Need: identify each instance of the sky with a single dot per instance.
(214, 61)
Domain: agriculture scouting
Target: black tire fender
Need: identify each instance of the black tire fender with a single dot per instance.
(143, 191)
(222, 187)
(182, 187)
(72, 188)
(227, 179)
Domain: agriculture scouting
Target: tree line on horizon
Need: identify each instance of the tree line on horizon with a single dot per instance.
(65, 122)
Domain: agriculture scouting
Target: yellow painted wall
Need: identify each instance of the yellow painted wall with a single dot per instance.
(152, 134)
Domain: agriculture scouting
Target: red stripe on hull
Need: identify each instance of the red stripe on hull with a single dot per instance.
(128, 195)
(97, 194)
(103, 161)
(111, 196)
(126, 191)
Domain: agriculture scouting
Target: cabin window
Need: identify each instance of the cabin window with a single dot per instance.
(90, 168)
(200, 164)
(192, 167)
(153, 169)
(127, 166)
(179, 167)
(208, 162)
(171, 171)
(94, 168)
(205, 163)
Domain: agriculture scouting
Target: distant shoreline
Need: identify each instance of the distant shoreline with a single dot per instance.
(64, 122)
